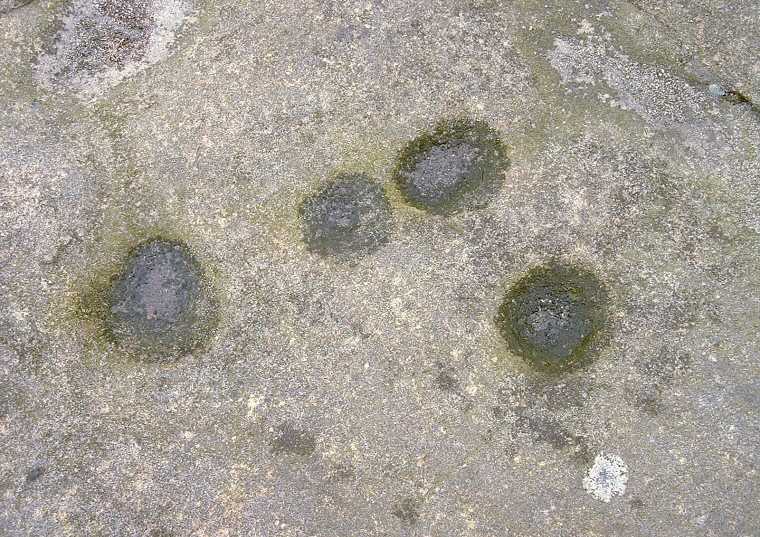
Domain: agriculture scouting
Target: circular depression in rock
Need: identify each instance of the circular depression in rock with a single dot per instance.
(553, 315)
(159, 305)
(350, 217)
(460, 165)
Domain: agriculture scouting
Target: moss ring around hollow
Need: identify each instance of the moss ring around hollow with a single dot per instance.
(159, 305)
(459, 165)
(554, 316)
(350, 217)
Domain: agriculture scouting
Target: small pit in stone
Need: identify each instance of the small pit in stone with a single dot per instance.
(159, 305)
(553, 317)
(459, 165)
(351, 217)
(34, 475)
(291, 440)
(407, 511)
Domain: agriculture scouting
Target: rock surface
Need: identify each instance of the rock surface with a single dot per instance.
(377, 396)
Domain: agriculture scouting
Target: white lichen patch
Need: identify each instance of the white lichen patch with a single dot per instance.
(594, 67)
(606, 478)
(99, 43)
(655, 94)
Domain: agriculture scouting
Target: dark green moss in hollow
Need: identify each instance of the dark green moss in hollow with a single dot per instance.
(552, 317)
(460, 165)
(159, 305)
(350, 217)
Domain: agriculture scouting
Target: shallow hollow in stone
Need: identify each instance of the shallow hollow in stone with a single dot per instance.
(553, 316)
(159, 305)
(349, 217)
(460, 165)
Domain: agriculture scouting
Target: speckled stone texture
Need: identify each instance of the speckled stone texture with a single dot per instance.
(374, 394)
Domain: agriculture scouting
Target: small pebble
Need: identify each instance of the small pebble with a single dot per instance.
(34, 474)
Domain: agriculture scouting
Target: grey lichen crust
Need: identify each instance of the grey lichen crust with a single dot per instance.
(159, 304)
(460, 165)
(552, 315)
(351, 217)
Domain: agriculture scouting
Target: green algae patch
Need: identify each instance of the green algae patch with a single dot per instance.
(459, 165)
(553, 317)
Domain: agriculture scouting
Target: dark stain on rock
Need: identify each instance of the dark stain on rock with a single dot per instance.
(446, 379)
(158, 305)
(549, 431)
(6, 6)
(342, 473)
(34, 475)
(559, 396)
(532, 410)
(659, 372)
(161, 532)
